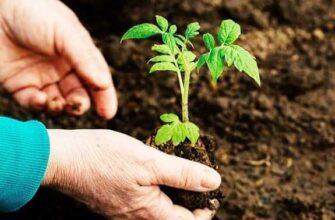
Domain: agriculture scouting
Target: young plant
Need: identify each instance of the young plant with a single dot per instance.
(174, 55)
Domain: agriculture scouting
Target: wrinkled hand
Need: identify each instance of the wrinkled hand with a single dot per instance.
(48, 59)
(119, 176)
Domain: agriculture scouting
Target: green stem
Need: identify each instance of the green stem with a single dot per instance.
(186, 86)
(185, 96)
(180, 79)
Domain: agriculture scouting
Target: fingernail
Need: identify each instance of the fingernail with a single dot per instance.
(211, 179)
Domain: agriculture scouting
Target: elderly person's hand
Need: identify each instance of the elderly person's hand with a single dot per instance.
(48, 59)
(119, 176)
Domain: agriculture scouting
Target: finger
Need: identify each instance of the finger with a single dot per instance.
(77, 102)
(105, 102)
(75, 43)
(163, 209)
(182, 213)
(55, 102)
(76, 96)
(37, 75)
(184, 174)
(22, 80)
(31, 97)
(203, 214)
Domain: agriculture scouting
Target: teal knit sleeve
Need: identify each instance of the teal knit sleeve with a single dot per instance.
(24, 154)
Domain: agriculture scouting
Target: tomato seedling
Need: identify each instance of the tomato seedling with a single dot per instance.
(175, 55)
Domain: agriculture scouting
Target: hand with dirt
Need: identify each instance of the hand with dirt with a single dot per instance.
(119, 176)
(48, 59)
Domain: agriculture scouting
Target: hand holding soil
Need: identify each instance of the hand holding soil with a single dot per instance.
(119, 176)
(48, 60)
(181, 137)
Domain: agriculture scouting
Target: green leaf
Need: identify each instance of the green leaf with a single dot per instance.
(179, 42)
(162, 58)
(164, 134)
(181, 37)
(179, 134)
(215, 63)
(169, 40)
(229, 54)
(173, 29)
(243, 61)
(192, 30)
(202, 60)
(185, 59)
(190, 67)
(162, 23)
(141, 31)
(164, 49)
(185, 40)
(176, 50)
(169, 117)
(177, 131)
(209, 41)
(192, 132)
(164, 66)
(186, 56)
(229, 32)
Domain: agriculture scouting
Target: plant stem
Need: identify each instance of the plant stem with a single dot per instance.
(185, 96)
(186, 86)
(180, 79)
(187, 76)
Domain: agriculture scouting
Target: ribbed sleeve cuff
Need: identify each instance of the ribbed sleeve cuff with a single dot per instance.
(24, 154)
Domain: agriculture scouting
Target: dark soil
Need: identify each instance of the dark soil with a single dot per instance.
(276, 144)
(202, 152)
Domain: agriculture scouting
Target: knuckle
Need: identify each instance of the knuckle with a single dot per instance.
(187, 176)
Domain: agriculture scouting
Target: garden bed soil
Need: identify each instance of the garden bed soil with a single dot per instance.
(276, 144)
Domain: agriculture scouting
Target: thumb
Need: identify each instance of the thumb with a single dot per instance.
(184, 174)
